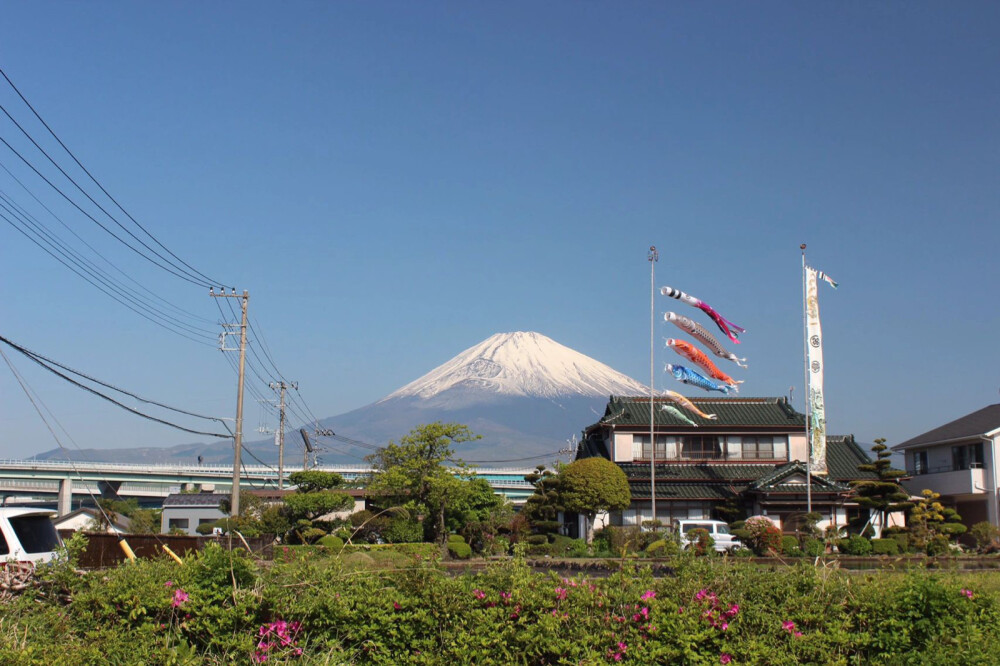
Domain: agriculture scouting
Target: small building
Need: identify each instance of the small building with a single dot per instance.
(186, 511)
(88, 518)
(958, 460)
(751, 458)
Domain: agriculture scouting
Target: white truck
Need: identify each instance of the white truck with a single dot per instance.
(27, 536)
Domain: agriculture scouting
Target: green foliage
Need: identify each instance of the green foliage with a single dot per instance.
(790, 546)
(592, 485)
(885, 546)
(812, 547)
(460, 551)
(855, 545)
(331, 542)
(542, 508)
(456, 538)
(309, 481)
(930, 519)
(986, 534)
(883, 495)
(663, 548)
(416, 472)
(700, 541)
(403, 530)
(312, 505)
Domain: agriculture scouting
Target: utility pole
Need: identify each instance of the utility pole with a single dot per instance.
(234, 503)
(282, 385)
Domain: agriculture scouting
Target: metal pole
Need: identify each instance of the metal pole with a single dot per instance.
(807, 392)
(653, 257)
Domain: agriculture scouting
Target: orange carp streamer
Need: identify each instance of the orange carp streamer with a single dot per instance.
(687, 404)
(696, 356)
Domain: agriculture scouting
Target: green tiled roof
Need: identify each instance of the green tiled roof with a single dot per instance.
(721, 471)
(685, 491)
(843, 455)
(771, 483)
(738, 412)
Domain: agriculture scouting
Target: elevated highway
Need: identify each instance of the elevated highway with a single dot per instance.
(70, 483)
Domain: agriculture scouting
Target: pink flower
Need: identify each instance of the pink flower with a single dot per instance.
(725, 658)
(798, 634)
(967, 593)
(169, 583)
(180, 596)
(733, 610)
(647, 595)
(505, 596)
(395, 605)
(479, 594)
(680, 610)
(724, 626)
(561, 593)
(788, 626)
(701, 594)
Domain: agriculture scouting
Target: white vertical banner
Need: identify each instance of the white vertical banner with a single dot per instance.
(814, 358)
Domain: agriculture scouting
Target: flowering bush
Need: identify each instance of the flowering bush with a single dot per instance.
(763, 536)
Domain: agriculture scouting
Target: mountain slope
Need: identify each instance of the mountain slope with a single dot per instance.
(526, 394)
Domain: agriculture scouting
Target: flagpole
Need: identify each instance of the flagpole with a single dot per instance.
(653, 257)
(806, 392)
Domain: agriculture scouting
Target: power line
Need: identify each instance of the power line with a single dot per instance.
(112, 400)
(96, 182)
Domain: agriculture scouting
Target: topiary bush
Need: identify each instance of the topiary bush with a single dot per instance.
(455, 538)
(855, 545)
(403, 530)
(812, 547)
(790, 546)
(564, 546)
(885, 547)
(700, 541)
(331, 542)
(459, 550)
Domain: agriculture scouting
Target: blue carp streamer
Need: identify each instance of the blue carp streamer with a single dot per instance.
(689, 376)
(698, 332)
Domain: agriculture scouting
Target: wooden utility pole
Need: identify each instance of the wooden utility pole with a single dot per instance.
(234, 503)
(282, 385)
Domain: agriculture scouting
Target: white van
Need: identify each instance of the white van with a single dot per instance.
(718, 530)
(27, 535)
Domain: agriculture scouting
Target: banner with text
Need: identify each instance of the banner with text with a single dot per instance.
(814, 358)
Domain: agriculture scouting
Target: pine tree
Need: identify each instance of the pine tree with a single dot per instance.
(883, 495)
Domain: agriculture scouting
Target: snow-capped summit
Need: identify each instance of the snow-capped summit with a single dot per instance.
(521, 364)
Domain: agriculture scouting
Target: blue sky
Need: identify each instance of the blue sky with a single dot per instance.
(394, 182)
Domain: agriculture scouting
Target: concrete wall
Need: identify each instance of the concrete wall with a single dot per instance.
(194, 516)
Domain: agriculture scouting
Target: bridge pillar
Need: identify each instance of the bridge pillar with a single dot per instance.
(109, 489)
(65, 503)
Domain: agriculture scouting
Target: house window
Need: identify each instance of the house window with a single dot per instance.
(959, 458)
(666, 447)
(701, 447)
(179, 523)
(920, 462)
(758, 448)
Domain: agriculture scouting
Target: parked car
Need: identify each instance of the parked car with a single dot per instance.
(718, 530)
(27, 535)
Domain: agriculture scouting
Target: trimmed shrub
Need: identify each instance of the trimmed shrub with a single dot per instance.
(563, 546)
(700, 541)
(937, 545)
(459, 551)
(790, 546)
(764, 537)
(401, 530)
(885, 547)
(663, 548)
(331, 543)
(855, 545)
(812, 547)
(456, 538)
(359, 518)
(985, 534)
(537, 539)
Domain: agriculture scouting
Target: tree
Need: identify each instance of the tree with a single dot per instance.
(592, 485)
(883, 495)
(414, 472)
(543, 506)
(932, 524)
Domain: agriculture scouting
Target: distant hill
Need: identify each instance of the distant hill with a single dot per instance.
(526, 394)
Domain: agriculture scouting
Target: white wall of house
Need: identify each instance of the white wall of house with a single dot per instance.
(188, 518)
(623, 447)
(798, 447)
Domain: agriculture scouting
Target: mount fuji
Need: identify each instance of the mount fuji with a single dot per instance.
(524, 393)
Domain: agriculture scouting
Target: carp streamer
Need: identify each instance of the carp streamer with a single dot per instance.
(686, 404)
(698, 331)
(678, 414)
(724, 325)
(693, 378)
(696, 356)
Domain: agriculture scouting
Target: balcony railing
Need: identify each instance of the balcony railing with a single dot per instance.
(941, 469)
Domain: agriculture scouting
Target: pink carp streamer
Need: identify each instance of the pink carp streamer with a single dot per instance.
(696, 356)
(697, 331)
(687, 404)
(678, 414)
(724, 325)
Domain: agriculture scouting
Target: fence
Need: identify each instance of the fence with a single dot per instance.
(103, 549)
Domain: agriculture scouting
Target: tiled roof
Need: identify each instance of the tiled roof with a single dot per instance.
(740, 412)
(721, 471)
(843, 455)
(977, 423)
(194, 499)
(772, 482)
(685, 491)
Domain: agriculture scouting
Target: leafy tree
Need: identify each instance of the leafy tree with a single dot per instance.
(592, 485)
(414, 473)
(310, 506)
(883, 495)
(312, 480)
(931, 522)
(543, 506)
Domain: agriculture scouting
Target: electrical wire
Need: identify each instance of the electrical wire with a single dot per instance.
(115, 402)
(95, 181)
